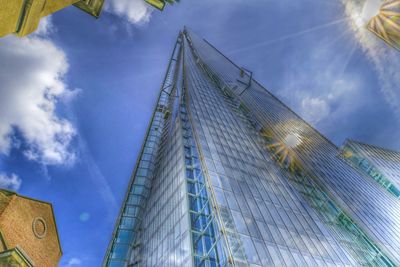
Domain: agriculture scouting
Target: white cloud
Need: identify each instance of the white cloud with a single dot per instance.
(135, 11)
(314, 109)
(73, 262)
(316, 86)
(31, 81)
(46, 27)
(12, 182)
(385, 59)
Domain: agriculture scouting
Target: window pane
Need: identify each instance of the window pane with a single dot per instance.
(250, 251)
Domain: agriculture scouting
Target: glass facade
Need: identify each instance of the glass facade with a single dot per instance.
(238, 179)
(382, 165)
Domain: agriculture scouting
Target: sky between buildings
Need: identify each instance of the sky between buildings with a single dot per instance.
(77, 96)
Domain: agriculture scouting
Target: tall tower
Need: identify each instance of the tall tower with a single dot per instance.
(230, 176)
(22, 17)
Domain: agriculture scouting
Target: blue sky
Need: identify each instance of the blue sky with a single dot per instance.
(76, 97)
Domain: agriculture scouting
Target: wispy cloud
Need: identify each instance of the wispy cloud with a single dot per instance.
(46, 27)
(32, 82)
(317, 86)
(286, 37)
(135, 11)
(314, 109)
(73, 262)
(102, 185)
(12, 181)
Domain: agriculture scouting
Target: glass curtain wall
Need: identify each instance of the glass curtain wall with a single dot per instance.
(230, 176)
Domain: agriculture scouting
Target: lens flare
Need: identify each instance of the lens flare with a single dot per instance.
(362, 12)
(282, 150)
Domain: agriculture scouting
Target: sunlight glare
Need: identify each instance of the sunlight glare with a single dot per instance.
(292, 140)
(369, 10)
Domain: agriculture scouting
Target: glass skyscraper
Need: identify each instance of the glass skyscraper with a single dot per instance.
(230, 176)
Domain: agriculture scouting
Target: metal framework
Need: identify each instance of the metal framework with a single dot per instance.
(206, 238)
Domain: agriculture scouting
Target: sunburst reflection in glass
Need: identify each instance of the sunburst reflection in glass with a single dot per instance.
(282, 150)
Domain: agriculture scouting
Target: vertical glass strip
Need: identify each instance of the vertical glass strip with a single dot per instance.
(235, 248)
(123, 238)
(206, 239)
(209, 246)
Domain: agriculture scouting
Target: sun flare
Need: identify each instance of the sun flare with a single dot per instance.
(386, 24)
(378, 16)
